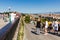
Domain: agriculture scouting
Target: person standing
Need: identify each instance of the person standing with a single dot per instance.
(53, 23)
(46, 27)
(38, 26)
(12, 17)
(56, 26)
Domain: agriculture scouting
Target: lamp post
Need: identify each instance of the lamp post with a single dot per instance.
(9, 9)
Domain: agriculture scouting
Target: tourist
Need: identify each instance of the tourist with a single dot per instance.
(38, 26)
(53, 23)
(12, 17)
(46, 27)
(49, 26)
(56, 26)
(32, 22)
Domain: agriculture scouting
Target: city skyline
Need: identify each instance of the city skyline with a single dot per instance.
(30, 6)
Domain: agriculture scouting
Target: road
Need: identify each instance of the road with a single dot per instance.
(28, 35)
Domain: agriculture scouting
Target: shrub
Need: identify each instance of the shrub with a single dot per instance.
(21, 30)
(42, 20)
(27, 19)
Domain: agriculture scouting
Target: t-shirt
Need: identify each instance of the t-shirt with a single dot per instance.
(56, 24)
(12, 16)
(46, 24)
(38, 24)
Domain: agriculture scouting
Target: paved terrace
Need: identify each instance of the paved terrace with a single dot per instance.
(28, 35)
(2, 23)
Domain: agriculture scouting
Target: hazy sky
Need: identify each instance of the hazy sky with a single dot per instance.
(30, 6)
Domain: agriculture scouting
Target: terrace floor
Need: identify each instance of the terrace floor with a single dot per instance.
(29, 35)
(2, 23)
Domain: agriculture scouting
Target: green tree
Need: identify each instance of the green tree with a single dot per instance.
(27, 19)
(23, 14)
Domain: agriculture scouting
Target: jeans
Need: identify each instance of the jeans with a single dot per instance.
(38, 30)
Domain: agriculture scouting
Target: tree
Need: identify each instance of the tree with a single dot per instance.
(27, 19)
(23, 14)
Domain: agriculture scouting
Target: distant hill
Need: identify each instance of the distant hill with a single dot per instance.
(56, 12)
(49, 13)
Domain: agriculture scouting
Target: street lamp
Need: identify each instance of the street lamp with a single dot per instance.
(9, 9)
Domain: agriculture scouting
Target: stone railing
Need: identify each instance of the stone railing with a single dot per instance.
(7, 32)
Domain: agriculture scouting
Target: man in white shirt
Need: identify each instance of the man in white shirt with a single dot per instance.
(12, 16)
(46, 27)
(56, 26)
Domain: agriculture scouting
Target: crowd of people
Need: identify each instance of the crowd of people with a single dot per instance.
(46, 26)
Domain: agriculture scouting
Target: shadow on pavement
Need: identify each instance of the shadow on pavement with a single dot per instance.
(57, 34)
(34, 32)
(41, 32)
(33, 29)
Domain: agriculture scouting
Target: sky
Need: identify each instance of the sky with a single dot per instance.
(30, 6)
